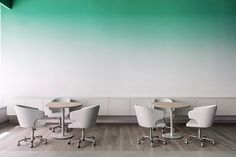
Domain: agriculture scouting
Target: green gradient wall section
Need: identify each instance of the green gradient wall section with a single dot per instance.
(134, 20)
(154, 41)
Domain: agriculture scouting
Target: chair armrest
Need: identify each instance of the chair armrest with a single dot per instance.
(39, 115)
(29, 107)
(74, 115)
(193, 114)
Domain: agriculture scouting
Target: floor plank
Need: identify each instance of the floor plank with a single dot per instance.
(121, 137)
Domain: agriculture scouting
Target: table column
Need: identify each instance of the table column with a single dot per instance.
(63, 135)
(172, 134)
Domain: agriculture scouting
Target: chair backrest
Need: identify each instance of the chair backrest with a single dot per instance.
(205, 115)
(75, 108)
(61, 100)
(27, 116)
(147, 117)
(55, 110)
(163, 100)
(85, 117)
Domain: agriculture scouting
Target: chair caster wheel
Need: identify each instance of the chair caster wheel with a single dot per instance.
(78, 146)
(162, 131)
(46, 142)
(94, 144)
(201, 144)
(69, 142)
(31, 146)
(53, 130)
(152, 144)
(186, 141)
(213, 142)
(138, 141)
(164, 142)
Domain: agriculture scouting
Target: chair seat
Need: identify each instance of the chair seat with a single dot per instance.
(73, 125)
(160, 125)
(192, 123)
(40, 123)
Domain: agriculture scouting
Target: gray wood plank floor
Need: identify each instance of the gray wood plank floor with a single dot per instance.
(120, 137)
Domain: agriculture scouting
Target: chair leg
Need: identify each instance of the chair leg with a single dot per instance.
(24, 139)
(199, 137)
(209, 139)
(151, 138)
(54, 127)
(84, 138)
(32, 138)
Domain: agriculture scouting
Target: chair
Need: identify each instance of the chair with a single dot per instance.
(56, 113)
(201, 117)
(162, 109)
(149, 118)
(84, 118)
(29, 117)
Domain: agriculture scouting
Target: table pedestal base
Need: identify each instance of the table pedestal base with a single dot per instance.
(62, 137)
(174, 136)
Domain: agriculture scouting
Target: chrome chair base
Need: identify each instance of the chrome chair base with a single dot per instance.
(151, 138)
(83, 138)
(32, 138)
(199, 137)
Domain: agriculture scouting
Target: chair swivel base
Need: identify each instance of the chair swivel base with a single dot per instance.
(31, 140)
(199, 137)
(53, 128)
(151, 138)
(90, 139)
(83, 138)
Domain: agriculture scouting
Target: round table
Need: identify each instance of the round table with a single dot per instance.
(171, 106)
(63, 105)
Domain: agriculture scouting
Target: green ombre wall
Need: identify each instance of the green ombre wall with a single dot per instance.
(180, 48)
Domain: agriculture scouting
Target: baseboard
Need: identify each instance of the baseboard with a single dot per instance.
(4, 124)
(178, 119)
(133, 119)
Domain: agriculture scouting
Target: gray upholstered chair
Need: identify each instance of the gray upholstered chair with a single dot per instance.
(201, 117)
(166, 112)
(56, 113)
(149, 118)
(29, 117)
(84, 118)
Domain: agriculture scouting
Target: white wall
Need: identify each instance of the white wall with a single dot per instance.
(29, 72)
(43, 58)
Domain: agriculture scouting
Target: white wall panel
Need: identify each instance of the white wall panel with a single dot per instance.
(139, 101)
(103, 102)
(226, 106)
(119, 106)
(11, 102)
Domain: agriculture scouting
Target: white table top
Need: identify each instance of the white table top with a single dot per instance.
(57, 105)
(169, 105)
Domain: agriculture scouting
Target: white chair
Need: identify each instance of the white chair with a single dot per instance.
(201, 117)
(29, 117)
(84, 118)
(56, 113)
(149, 118)
(166, 112)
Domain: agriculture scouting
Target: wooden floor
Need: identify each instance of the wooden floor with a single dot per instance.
(121, 137)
